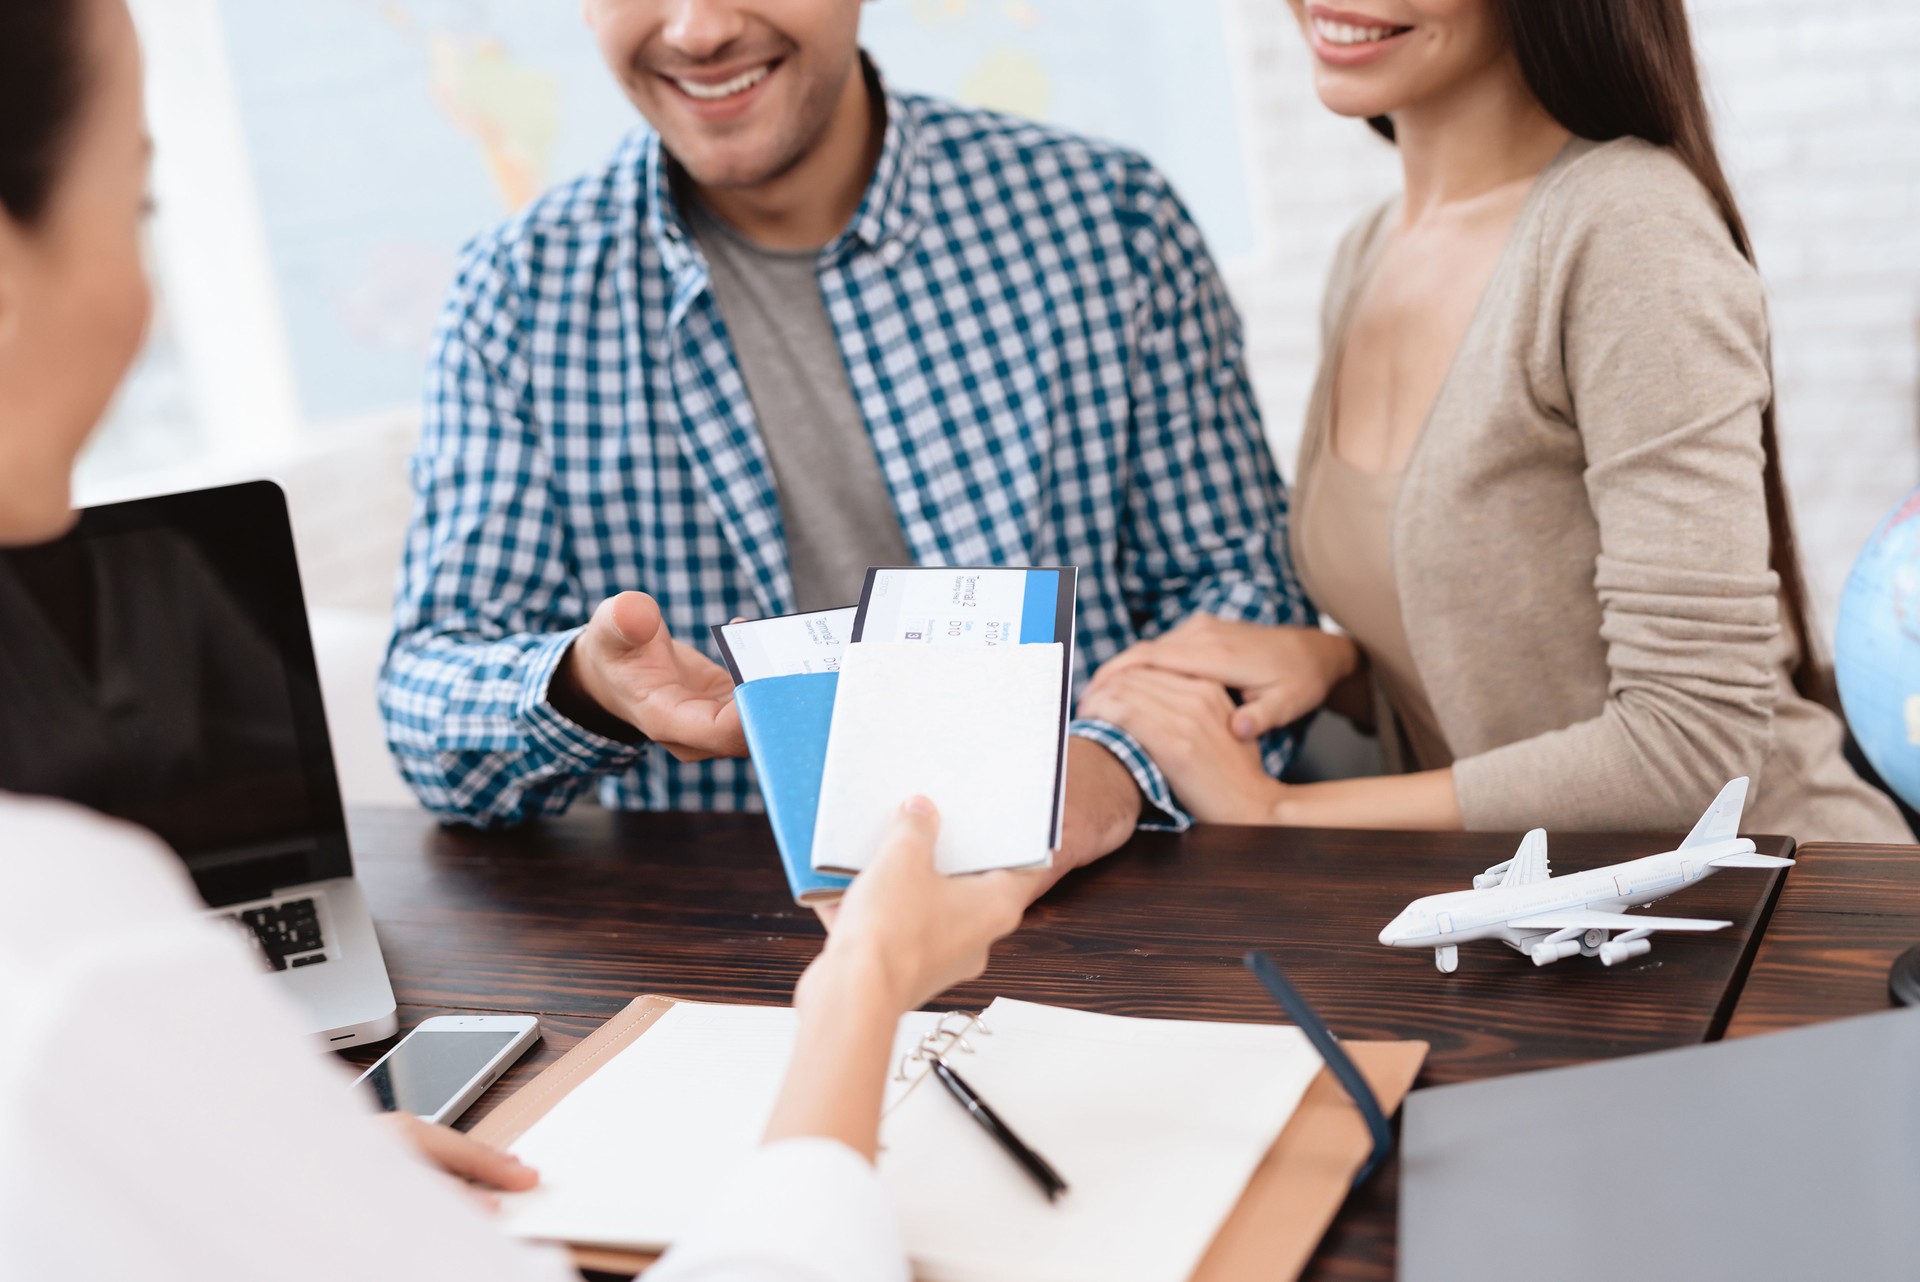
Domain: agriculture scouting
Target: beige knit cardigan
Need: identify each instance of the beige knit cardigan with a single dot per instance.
(1580, 535)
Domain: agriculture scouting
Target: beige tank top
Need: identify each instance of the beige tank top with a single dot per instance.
(1343, 551)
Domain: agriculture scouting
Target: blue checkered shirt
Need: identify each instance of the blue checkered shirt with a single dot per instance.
(1044, 354)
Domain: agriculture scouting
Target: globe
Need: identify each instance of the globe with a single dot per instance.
(1876, 652)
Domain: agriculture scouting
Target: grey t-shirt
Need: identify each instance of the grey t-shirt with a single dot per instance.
(838, 513)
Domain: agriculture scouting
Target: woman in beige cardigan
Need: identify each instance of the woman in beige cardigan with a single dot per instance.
(1538, 486)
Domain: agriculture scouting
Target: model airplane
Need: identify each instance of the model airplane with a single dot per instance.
(1524, 906)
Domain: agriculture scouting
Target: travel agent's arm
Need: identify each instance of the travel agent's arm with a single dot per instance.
(809, 1204)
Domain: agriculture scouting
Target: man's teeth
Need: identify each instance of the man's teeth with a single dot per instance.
(1341, 33)
(726, 88)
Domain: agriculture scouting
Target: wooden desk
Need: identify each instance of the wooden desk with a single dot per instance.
(1846, 913)
(569, 919)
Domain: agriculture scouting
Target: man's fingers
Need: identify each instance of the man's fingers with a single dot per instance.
(1265, 710)
(1152, 687)
(1139, 654)
(695, 729)
(636, 618)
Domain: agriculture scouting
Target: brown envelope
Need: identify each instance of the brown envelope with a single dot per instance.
(1289, 1202)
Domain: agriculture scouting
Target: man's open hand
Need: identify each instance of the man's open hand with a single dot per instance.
(626, 673)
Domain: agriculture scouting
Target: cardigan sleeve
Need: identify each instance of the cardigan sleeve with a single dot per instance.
(1654, 348)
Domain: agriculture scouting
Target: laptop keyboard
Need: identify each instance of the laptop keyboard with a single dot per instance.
(287, 934)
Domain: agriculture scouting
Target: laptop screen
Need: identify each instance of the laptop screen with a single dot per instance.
(155, 665)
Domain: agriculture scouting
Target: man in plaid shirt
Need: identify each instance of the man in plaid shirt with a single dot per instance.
(801, 325)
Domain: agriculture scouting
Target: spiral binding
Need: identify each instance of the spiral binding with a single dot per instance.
(948, 1036)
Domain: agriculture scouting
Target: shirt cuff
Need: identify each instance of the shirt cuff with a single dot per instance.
(808, 1209)
(1161, 812)
(551, 730)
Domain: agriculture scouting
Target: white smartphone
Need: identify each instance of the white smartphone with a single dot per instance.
(439, 1069)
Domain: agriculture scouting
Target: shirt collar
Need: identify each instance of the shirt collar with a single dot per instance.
(887, 213)
(885, 222)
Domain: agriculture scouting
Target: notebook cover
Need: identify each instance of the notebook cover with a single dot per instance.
(787, 720)
(1289, 1202)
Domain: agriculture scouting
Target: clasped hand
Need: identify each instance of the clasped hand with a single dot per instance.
(1171, 694)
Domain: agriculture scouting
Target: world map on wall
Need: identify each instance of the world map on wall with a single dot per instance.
(382, 135)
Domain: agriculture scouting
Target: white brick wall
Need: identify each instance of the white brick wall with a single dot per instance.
(1818, 110)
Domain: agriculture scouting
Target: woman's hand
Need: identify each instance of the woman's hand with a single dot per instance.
(479, 1167)
(1282, 673)
(910, 932)
(1182, 722)
(901, 935)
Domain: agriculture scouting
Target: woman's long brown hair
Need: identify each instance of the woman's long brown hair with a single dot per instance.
(1625, 68)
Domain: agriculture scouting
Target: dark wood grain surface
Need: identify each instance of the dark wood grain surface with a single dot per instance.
(570, 919)
(1845, 914)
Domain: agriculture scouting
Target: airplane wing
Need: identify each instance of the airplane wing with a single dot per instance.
(1529, 863)
(1750, 861)
(1594, 919)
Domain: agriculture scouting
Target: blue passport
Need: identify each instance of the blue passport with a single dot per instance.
(785, 670)
(787, 719)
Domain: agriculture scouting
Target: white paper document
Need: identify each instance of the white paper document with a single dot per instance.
(1155, 1125)
(787, 645)
(967, 605)
(980, 732)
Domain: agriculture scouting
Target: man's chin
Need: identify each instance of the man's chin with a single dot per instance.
(733, 168)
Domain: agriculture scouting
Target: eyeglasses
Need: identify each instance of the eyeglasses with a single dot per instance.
(1290, 999)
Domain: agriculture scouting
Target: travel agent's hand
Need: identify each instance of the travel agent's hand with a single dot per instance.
(479, 1167)
(626, 673)
(903, 934)
(910, 932)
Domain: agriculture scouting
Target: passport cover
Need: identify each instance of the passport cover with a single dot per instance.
(787, 720)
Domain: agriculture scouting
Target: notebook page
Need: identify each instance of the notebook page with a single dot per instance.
(632, 1155)
(1155, 1125)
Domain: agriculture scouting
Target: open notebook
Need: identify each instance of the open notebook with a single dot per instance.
(1156, 1125)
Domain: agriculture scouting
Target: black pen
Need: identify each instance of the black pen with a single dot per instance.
(1045, 1176)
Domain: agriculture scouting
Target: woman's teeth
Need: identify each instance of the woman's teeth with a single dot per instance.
(1341, 33)
(726, 88)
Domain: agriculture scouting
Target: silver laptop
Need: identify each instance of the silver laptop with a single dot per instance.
(155, 665)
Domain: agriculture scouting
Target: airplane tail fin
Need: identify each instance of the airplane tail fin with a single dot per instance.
(1722, 820)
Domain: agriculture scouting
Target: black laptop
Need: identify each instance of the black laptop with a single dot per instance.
(156, 665)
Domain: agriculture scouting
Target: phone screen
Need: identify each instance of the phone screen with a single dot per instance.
(428, 1069)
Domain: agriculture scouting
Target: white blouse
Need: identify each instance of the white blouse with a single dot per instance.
(162, 1116)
